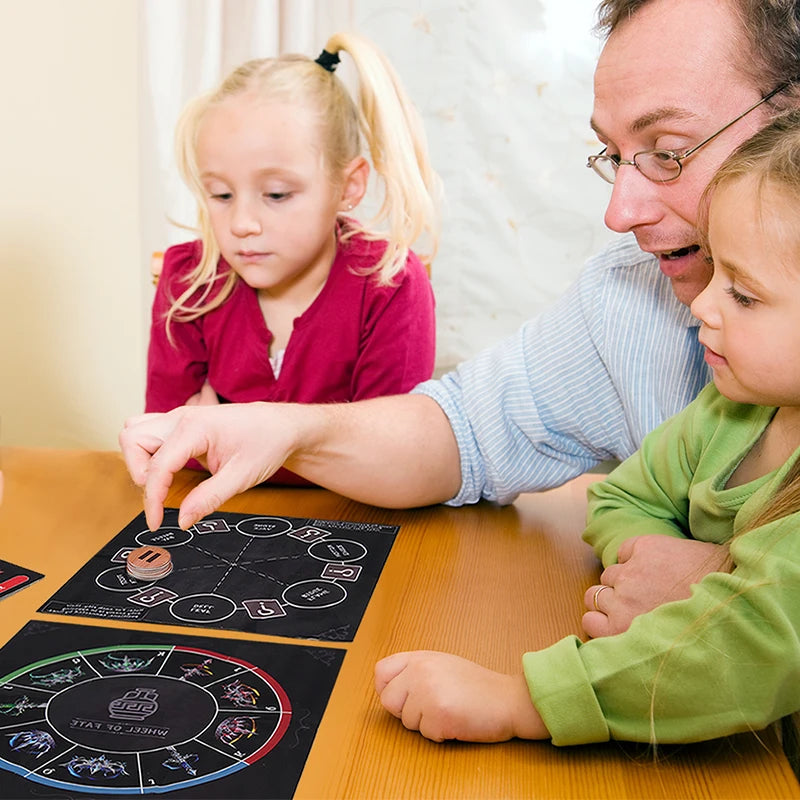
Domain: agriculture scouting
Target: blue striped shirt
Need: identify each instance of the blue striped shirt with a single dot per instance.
(579, 384)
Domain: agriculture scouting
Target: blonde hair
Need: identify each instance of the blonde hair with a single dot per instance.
(384, 116)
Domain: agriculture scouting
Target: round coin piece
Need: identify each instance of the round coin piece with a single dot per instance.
(149, 563)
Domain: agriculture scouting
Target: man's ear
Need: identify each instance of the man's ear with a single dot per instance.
(354, 183)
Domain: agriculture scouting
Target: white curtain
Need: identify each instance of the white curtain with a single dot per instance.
(505, 89)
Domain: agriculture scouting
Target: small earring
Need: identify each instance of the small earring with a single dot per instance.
(350, 207)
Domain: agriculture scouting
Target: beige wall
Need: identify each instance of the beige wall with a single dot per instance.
(73, 290)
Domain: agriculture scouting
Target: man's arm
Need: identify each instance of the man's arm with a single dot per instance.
(391, 451)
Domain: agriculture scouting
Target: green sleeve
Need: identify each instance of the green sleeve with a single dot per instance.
(723, 661)
(650, 492)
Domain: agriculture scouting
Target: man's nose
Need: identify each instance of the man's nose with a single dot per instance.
(634, 201)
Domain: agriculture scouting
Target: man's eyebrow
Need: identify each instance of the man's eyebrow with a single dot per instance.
(665, 113)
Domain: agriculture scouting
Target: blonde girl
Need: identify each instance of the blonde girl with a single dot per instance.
(725, 470)
(286, 296)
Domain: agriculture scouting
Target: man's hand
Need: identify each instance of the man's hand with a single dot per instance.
(242, 445)
(650, 571)
(447, 697)
(397, 451)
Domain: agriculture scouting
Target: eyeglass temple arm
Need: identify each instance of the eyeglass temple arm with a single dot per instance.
(744, 113)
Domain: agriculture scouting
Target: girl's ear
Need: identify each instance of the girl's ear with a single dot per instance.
(354, 183)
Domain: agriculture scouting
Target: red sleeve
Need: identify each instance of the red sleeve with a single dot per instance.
(175, 369)
(398, 340)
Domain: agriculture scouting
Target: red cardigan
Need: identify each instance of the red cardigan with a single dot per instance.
(356, 340)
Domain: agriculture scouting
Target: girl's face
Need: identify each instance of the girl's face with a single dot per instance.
(750, 311)
(271, 203)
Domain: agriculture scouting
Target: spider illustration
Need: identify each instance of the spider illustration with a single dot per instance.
(34, 742)
(231, 729)
(241, 694)
(98, 767)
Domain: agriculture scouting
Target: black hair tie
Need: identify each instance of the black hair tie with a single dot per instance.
(327, 60)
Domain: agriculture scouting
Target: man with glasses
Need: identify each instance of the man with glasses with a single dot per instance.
(679, 84)
(663, 166)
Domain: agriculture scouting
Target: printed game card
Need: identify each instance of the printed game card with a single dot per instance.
(13, 578)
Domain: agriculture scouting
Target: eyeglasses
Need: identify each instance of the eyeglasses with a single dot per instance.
(662, 166)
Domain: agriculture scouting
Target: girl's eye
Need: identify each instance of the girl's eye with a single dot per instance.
(278, 196)
(741, 299)
(221, 196)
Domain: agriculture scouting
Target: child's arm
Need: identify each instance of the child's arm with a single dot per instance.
(447, 697)
(638, 514)
(650, 492)
(637, 500)
(724, 661)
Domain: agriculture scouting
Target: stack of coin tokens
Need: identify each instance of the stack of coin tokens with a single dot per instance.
(149, 563)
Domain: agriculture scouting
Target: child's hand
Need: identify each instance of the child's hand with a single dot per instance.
(447, 697)
(205, 397)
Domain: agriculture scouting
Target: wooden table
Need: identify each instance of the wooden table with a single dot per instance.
(485, 582)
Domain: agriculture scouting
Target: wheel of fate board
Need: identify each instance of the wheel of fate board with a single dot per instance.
(138, 719)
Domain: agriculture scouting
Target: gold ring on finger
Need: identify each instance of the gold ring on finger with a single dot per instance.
(596, 595)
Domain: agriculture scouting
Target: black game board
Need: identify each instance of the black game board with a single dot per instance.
(286, 576)
(88, 710)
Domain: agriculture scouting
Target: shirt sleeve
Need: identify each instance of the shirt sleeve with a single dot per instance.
(398, 338)
(540, 407)
(579, 384)
(649, 492)
(674, 484)
(176, 369)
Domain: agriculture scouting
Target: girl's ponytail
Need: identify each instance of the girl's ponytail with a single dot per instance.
(394, 134)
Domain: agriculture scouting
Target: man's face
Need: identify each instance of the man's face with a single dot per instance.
(666, 79)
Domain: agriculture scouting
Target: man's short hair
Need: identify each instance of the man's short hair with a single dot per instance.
(770, 39)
